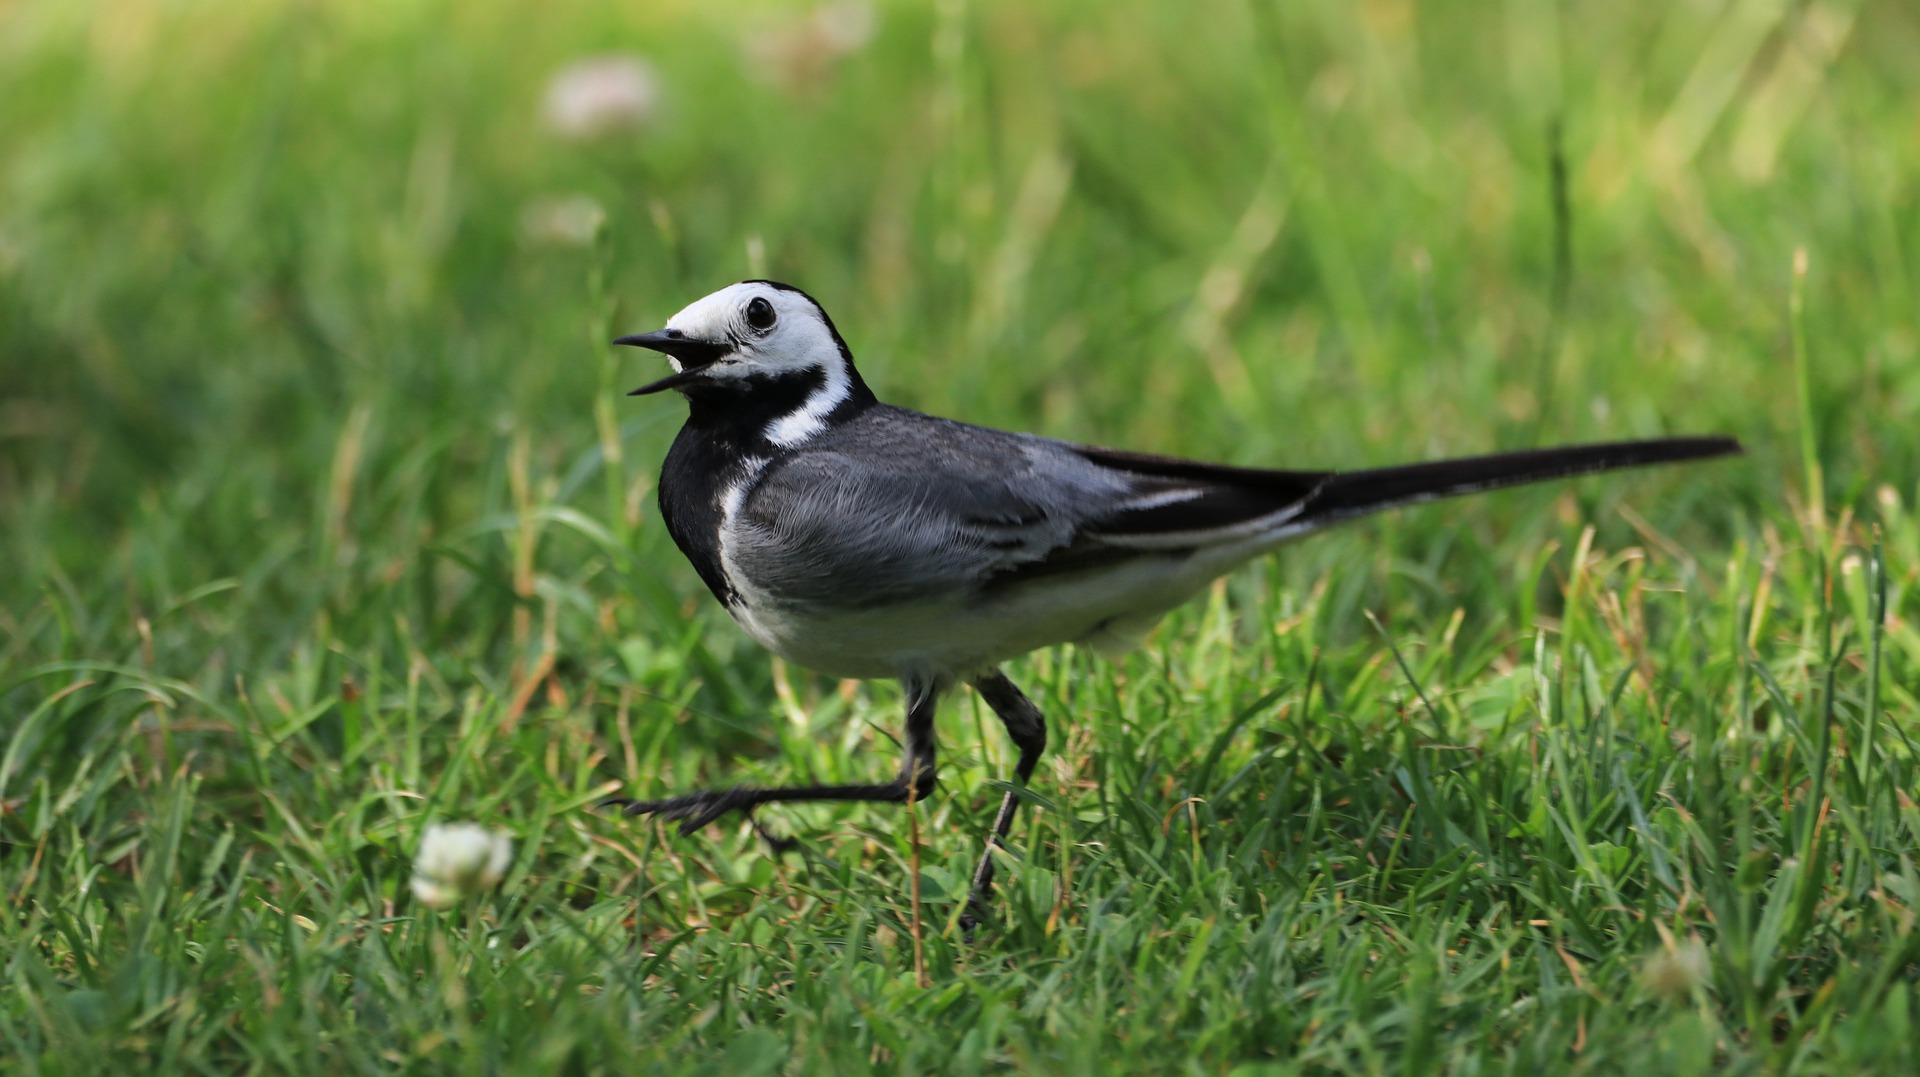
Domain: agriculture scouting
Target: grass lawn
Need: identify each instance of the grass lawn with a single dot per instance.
(323, 517)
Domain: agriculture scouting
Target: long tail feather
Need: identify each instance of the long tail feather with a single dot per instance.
(1356, 493)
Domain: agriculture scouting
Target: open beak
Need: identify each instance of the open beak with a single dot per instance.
(693, 357)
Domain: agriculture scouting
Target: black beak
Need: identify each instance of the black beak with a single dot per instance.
(693, 355)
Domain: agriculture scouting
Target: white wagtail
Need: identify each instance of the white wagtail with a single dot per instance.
(859, 539)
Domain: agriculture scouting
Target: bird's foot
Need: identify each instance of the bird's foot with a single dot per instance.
(695, 810)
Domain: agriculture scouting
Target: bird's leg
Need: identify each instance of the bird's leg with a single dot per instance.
(1028, 728)
(916, 780)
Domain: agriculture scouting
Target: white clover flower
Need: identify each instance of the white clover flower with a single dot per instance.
(563, 221)
(601, 95)
(799, 53)
(457, 860)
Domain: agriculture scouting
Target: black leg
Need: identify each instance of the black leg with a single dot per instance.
(1028, 728)
(917, 779)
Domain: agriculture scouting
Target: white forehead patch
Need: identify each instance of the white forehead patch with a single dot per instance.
(799, 338)
(713, 316)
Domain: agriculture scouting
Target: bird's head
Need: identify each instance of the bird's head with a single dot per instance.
(746, 336)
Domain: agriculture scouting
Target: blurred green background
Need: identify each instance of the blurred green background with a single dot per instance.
(315, 467)
(1306, 234)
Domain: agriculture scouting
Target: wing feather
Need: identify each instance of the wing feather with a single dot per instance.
(903, 506)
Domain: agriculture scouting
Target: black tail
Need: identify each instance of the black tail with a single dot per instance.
(1355, 493)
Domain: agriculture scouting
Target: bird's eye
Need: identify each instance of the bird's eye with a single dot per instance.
(760, 315)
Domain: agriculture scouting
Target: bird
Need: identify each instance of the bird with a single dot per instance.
(863, 540)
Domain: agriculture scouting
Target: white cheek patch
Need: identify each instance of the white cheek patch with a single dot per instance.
(811, 416)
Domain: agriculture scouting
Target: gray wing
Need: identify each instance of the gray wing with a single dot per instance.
(898, 506)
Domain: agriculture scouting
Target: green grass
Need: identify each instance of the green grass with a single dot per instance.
(323, 518)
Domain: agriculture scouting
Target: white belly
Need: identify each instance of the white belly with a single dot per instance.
(1110, 608)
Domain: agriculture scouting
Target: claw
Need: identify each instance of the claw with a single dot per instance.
(694, 810)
